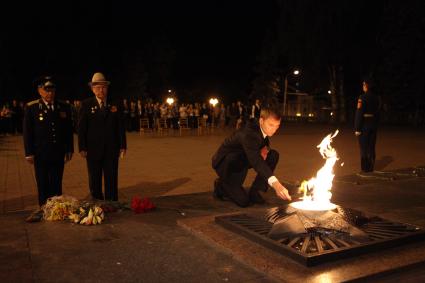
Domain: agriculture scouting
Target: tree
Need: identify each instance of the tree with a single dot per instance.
(399, 71)
(267, 84)
(159, 57)
(136, 75)
(327, 41)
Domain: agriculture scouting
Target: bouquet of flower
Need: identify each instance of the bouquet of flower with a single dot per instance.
(59, 207)
(139, 205)
(88, 214)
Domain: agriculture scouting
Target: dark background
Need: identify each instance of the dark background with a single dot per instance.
(230, 49)
(207, 46)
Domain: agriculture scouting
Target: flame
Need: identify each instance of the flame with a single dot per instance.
(317, 190)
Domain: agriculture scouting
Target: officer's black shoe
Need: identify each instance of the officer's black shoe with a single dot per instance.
(255, 197)
(97, 197)
(218, 192)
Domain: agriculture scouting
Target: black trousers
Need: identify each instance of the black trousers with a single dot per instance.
(367, 142)
(232, 172)
(48, 174)
(109, 168)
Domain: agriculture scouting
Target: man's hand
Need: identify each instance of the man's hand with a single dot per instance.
(264, 151)
(281, 191)
(30, 159)
(68, 156)
(83, 153)
(122, 152)
(357, 133)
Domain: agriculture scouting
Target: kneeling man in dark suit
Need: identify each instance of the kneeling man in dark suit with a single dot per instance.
(246, 148)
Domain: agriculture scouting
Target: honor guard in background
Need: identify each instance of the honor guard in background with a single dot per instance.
(101, 139)
(366, 125)
(249, 147)
(48, 141)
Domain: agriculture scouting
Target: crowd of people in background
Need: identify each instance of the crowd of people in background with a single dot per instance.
(11, 116)
(220, 116)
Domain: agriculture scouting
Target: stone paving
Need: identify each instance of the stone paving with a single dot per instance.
(160, 165)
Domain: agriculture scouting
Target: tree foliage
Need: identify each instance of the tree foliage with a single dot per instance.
(338, 43)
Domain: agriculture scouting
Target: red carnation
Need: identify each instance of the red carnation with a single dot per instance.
(139, 206)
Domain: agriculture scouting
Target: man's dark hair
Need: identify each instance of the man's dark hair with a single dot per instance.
(270, 111)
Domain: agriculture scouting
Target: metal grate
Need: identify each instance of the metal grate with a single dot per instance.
(318, 246)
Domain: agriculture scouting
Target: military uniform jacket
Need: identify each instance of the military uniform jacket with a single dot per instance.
(101, 132)
(48, 134)
(248, 141)
(367, 112)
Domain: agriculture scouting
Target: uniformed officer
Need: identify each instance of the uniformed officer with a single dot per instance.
(101, 139)
(366, 125)
(48, 141)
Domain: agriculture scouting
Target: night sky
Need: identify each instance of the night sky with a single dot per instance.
(215, 43)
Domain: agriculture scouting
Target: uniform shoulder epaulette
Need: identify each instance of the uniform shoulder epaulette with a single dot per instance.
(32, 102)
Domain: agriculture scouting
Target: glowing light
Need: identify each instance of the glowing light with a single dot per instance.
(310, 115)
(170, 100)
(213, 101)
(317, 190)
(298, 114)
(169, 91)
(296, 72)
(329, 91)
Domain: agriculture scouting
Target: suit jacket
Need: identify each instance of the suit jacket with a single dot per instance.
(47, 134)
(101, 132)
(248, 141)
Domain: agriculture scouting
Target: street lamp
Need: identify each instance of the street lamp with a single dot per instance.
(295, 72)
(170, 100)
(213, 101)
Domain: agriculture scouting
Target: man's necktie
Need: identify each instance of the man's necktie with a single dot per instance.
(266, 141)
(50, 106)
(102, 108)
